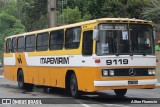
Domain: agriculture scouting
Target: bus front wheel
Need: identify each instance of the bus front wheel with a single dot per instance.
(21, 82)
(120, 92)
(74, 86)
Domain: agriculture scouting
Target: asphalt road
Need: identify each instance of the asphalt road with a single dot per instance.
(9, 89)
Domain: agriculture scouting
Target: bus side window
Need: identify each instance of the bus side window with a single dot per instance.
(87, 43)
(21, 44)
(8, 46)
(30, 43)
(72, 38)
(42, 41)
(14, 45)
(56, 40)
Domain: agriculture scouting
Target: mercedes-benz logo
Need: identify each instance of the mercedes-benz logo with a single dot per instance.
(132, 72)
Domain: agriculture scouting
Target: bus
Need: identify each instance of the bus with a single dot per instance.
(102, 54)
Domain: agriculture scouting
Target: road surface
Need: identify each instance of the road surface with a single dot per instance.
(9, 89)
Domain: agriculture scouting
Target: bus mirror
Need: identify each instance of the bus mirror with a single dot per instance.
(96, 34)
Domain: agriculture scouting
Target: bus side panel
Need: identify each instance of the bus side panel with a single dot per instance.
(50, 76)
(32, 74)
(44, 76)
(14, 72)
(10, 72)
(56, 76)
(7, 72)
(20, 63)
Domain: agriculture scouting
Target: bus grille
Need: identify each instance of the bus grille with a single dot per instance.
(127, 72)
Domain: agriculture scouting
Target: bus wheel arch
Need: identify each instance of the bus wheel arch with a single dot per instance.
(70, 77)
(67, 78)
(21, 82)
(20, 78)
(19, 69)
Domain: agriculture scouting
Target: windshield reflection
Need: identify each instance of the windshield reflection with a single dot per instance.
(115, 39)
(141, 39)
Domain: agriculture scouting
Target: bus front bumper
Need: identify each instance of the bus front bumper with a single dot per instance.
(125, 82)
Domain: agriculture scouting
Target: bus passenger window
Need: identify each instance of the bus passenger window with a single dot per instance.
(21, 44)
(14, 45)
(72, 38)
(8, 46)
(30, 43)
(56, 40)
(42, 42)
(87, 43)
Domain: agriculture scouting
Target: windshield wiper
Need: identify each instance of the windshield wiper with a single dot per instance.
(131, 53)
(117, 54)
(131, 50)
(139, 51)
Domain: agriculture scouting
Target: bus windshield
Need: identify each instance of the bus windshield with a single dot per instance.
(141, 39)
(115, 39)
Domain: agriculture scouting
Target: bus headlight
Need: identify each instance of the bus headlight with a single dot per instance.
(111, 72)
(107, 72)
(151, 72)
(104, 72)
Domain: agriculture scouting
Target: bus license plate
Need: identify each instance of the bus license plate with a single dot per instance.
(132, 82)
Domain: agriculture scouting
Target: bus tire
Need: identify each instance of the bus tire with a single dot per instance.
(21, 82)
(120, 92)
(74, 86)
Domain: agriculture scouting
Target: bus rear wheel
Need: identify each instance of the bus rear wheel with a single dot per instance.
(21, 82)
(74, 86)
(120, 92)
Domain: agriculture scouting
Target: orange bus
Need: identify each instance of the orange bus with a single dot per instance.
(103, 54)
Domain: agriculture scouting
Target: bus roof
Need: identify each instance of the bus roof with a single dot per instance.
(101, 20)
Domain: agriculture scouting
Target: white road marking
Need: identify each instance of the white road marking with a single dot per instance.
(115, 105)
(85, 105)
(110, 105)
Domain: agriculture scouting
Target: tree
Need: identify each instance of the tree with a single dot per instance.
(9, 25)
(72, 16)
(136, 7)
(114, 8)
(153, 11)
(110, 8)
(91, 7)
(34, 14)
(9, 7)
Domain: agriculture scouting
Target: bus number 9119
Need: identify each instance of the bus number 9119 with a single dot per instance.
(117, 61)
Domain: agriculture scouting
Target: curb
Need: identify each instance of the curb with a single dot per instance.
(1, 76)
(158, 84)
